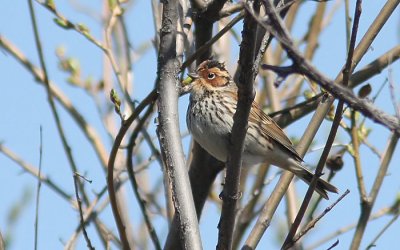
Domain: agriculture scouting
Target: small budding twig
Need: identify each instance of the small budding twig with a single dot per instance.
(76, 175)
(117, 103)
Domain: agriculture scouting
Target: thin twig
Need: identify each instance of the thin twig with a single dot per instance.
(84, 31)
(38, 188)
(91, 215)
(115, 12)
(215, 38)
(312, 223)
(392, 88)
(62, 99)
(35, 172)
(279, 191)
(338, 91)
(132, 177)
(76, 185)
(53, 108)
(375, 67)
(50, 98)
(151, 97)
(319, 199)
(382, 212)
(366, 205)
(321, 163)
(127, 51)
(66, 24)
(356, 156)
(373, 242)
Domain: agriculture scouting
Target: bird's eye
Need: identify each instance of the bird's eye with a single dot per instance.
(211, 76)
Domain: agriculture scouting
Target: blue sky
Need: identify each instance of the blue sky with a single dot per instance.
(24, 108)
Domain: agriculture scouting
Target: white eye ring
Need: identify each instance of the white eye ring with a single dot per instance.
(211, 76)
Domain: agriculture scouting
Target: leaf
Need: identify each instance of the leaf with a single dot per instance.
(350, 149)
(65, 24)
(115, 99)
(50, 4)
(83, 28)
(112, 4)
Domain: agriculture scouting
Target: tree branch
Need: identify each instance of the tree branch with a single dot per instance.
(366, 205)
(332, 134)
(231, 192)
(62, 99)
(113, 155)
(132, 177)
(338, 91)
(168, 129)
(272, 203)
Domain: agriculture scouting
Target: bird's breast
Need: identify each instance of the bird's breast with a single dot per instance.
(210, 127)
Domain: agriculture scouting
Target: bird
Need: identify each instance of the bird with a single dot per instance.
(212, 104)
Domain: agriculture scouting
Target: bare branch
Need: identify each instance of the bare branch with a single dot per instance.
(132, 177)
(312, 223)
(210, 42)
(332, 134)
(357, 159)
(366, 205)
(168, 129)
(113, 154)
(82, 220)
(382, 212)
(38, 188)
(373, 242)
(62, 99)
(375, 67)
(35, 172)
(340, 92)
(231, 192)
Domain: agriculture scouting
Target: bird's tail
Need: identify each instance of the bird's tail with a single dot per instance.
(323, 187)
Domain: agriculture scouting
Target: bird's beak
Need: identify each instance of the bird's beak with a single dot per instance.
(187, 83)
(191, 77)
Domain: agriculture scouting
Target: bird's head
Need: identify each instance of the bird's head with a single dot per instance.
(210, 75)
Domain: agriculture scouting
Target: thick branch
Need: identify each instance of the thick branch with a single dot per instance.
(201, 161)
(168, 129)
(231, 191)
(375, 67)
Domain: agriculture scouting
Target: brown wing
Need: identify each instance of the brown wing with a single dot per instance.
(271, 129)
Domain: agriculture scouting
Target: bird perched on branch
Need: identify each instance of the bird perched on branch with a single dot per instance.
(213, 100)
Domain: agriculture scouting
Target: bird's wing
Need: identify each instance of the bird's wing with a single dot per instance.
(271, 129)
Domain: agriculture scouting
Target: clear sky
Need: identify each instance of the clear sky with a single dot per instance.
(24, 108)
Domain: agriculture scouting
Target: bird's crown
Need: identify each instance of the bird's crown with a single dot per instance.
(209, 64)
